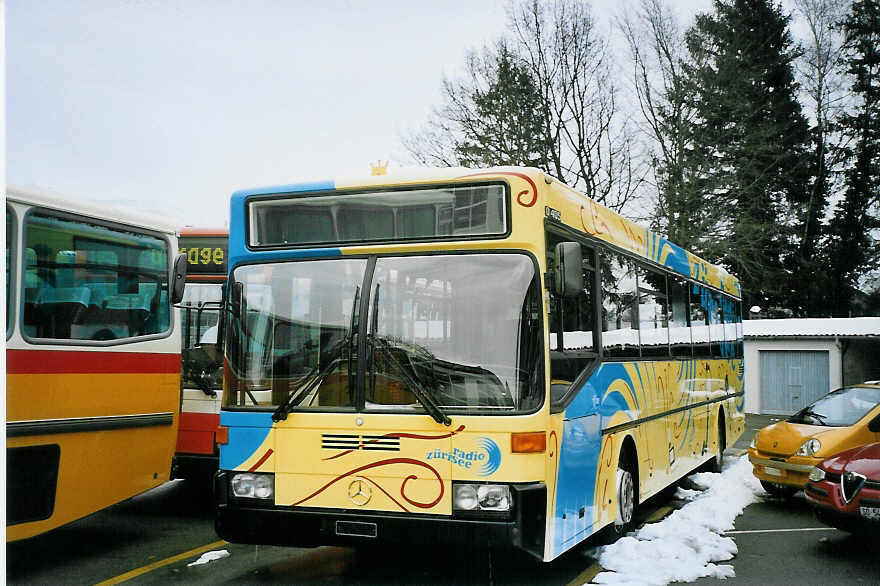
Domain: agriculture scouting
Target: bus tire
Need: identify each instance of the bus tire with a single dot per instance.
(626, 492)
(717, 463)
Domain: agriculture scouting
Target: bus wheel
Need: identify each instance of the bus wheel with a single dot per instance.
(626, 497)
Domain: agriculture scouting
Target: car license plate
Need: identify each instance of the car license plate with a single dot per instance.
(772, 471)
(872, 513)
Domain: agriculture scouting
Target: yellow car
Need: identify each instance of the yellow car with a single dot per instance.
(782, 454)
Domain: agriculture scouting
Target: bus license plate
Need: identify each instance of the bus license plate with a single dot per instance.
(872, 513)
(356, 529)
(772, 471)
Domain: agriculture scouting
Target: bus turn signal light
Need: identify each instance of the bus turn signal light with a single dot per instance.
(221, 435)
(528, 443)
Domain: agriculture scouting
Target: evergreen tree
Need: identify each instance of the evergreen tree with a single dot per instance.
(748, 144)
(507, 123)
(851, 248)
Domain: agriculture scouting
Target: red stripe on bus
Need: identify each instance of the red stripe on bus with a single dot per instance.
(75, 362)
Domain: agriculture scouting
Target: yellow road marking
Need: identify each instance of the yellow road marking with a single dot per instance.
(658, 514)
(586, 576)
(167, 561)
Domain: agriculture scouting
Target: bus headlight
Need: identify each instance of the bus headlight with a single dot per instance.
(817, 474)
(809, 448)
(481, 497)
(254, 486)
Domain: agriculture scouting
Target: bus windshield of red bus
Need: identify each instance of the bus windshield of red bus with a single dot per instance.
(201, 361)
(461, 333)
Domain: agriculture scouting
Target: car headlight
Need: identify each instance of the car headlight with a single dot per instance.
(254, 486)
(754, 443)
(481, 497)
(809, 448)
(817, 474)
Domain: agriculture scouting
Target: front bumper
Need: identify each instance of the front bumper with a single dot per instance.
(792, 471)
(826, 498)
(242, 522)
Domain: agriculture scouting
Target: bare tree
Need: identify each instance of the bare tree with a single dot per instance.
(822, 81)
(590, 142)
(658, 53)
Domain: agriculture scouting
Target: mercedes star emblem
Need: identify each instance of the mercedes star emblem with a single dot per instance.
(359, 492)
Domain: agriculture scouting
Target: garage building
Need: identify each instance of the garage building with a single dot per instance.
(790, 363)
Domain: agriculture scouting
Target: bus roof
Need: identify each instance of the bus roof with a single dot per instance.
(216, 232)
(624, 234)
(108, 212)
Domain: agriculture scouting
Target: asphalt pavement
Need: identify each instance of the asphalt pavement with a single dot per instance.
(781, 542)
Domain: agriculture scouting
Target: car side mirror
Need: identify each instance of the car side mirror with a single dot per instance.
(874, 425)
(179, 279)
(568, 280)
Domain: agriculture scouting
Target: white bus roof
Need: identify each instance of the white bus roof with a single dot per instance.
(108, 212)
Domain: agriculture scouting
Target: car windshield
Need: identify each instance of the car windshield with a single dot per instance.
(839, 408)
(443, 334)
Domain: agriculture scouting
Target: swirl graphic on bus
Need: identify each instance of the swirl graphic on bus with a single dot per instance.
(493, 452)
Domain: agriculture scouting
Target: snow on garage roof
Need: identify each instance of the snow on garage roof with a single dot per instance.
(812, 327)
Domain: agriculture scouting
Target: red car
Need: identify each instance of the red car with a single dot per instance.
(845, 489)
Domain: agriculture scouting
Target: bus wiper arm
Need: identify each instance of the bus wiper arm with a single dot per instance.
(315, 376)
(418, 390)
(312, 377)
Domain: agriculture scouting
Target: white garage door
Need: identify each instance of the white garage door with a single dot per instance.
(791, 380)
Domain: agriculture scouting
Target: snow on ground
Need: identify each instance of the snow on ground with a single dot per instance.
(210, 557)
(686, 544)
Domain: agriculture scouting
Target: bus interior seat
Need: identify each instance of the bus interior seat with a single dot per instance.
(64, 275)
(128, 309)
(58, 308)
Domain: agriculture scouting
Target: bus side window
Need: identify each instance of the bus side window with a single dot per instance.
(730, 314)
(572, 325)
(700, 299)
(93, 282)
(679, 327)
(620, 334)
(653, 313)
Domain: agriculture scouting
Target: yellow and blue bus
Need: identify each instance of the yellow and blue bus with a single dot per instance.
(481, 357)
(92, 358)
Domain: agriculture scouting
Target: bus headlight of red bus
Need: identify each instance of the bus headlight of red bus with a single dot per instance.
(255, 486)
(481, 497)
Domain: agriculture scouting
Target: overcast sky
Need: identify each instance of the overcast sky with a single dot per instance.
(173, 105)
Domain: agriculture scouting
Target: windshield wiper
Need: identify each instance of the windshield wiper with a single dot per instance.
(802, 417)
(315, 376)
(312, 378)
(415, 385)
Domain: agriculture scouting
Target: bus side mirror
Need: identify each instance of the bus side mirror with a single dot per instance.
(568, 280)
(179, 279)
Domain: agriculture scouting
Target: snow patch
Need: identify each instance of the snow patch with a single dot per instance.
(685, 545)
(210, 556)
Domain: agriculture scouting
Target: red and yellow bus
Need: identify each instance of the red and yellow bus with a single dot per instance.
(197, 453)
(92, 358)
(480, 357)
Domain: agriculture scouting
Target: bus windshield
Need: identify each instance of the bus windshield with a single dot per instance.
(201, 364)
(454, 333)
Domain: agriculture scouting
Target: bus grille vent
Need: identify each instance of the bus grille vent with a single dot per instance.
(331, 441)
